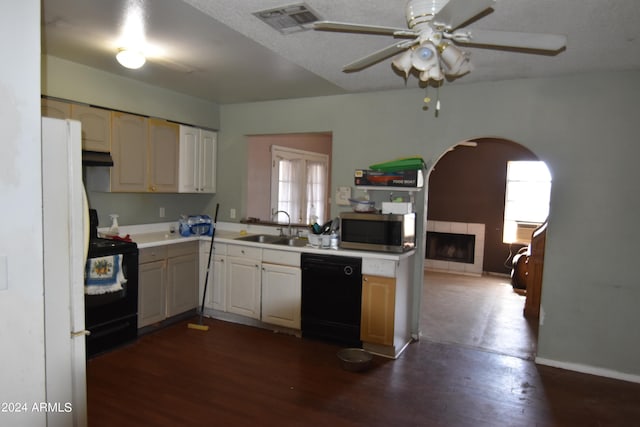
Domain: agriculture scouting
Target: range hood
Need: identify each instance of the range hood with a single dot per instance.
(96, 158)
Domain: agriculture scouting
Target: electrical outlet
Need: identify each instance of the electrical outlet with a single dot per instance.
(342, 196)
(161, 212)
(232, 213)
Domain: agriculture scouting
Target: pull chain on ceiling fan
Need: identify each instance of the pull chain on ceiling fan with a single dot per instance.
(433, 32)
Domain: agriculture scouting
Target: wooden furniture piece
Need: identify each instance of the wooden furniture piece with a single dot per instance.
(535, 264)
(385, 325)
(378, 309)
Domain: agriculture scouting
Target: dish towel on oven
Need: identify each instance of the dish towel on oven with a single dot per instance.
(104, 275)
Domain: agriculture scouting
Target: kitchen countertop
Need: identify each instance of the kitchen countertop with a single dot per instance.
(150, 235)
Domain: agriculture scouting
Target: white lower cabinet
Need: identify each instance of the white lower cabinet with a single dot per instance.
(182, 279)
(243, 280)
(260, 284)
(167, 281)
(281, 293)
(216, 286)
(152, 283)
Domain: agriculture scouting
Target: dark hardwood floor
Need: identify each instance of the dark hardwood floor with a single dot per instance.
(233, 375)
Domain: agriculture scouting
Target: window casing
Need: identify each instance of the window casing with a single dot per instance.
(299, 185)
(528, 190)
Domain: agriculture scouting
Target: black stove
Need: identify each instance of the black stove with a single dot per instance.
(112, 318)
(99, 247)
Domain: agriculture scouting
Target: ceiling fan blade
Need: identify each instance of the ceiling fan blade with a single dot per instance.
(457, 12)
(358, 28)
(379, 55)
(549, 42)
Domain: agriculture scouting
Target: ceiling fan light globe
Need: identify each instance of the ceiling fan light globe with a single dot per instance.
(435, 73)
(132, 59)
(453, 58)
(424, 57)
(403, 62)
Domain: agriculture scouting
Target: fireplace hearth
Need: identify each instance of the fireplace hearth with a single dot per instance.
(455, 247)
(451, 246)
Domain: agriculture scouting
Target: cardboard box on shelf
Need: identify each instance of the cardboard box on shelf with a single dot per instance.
(407, 178)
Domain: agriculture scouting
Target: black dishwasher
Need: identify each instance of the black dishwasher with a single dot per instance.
(331, 298)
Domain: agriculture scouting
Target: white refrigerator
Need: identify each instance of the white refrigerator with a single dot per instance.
(65, 244)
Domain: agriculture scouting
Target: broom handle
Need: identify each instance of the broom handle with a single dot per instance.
(206, 277)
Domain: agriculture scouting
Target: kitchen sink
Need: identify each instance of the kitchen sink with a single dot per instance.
(260, 238)
(274, 240)
(291, 241)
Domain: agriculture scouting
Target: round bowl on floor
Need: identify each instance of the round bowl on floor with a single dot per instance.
(355, 359)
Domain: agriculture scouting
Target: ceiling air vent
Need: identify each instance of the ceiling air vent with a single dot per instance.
(289, 19)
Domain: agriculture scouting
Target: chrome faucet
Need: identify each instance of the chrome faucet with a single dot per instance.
(288, 225)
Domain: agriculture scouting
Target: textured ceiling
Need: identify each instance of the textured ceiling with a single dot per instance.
(218, 50)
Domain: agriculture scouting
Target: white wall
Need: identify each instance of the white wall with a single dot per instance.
(76, 82)
(21, 300)
(585, 127)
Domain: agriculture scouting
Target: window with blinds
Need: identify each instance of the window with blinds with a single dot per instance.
(527, 195)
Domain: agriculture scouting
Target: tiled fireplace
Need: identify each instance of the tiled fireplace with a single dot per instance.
(456, 247)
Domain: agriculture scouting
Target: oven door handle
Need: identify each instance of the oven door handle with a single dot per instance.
(80, 333)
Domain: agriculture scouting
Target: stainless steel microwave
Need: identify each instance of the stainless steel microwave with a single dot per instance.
(378, 232)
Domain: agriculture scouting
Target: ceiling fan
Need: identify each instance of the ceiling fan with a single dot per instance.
(433, 29)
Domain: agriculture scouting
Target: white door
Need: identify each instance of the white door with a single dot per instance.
(188, 169)
(207, 161)
(65, 233)
(243, 287)
(281, 295)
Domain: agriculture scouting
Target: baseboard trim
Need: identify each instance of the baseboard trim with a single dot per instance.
(462, 273)
(493, 273)
(586, 369)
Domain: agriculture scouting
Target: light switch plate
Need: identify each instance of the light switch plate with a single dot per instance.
(343, 194)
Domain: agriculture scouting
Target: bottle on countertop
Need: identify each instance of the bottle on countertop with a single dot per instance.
(114, 230)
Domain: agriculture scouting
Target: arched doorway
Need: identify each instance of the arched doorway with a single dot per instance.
(475, 308)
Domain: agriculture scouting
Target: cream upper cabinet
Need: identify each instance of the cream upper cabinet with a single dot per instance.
(129, 152)
(145, 157)
(96, 127)
(197, 160)
(163, 152)
(96, 122)
(54, 108)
